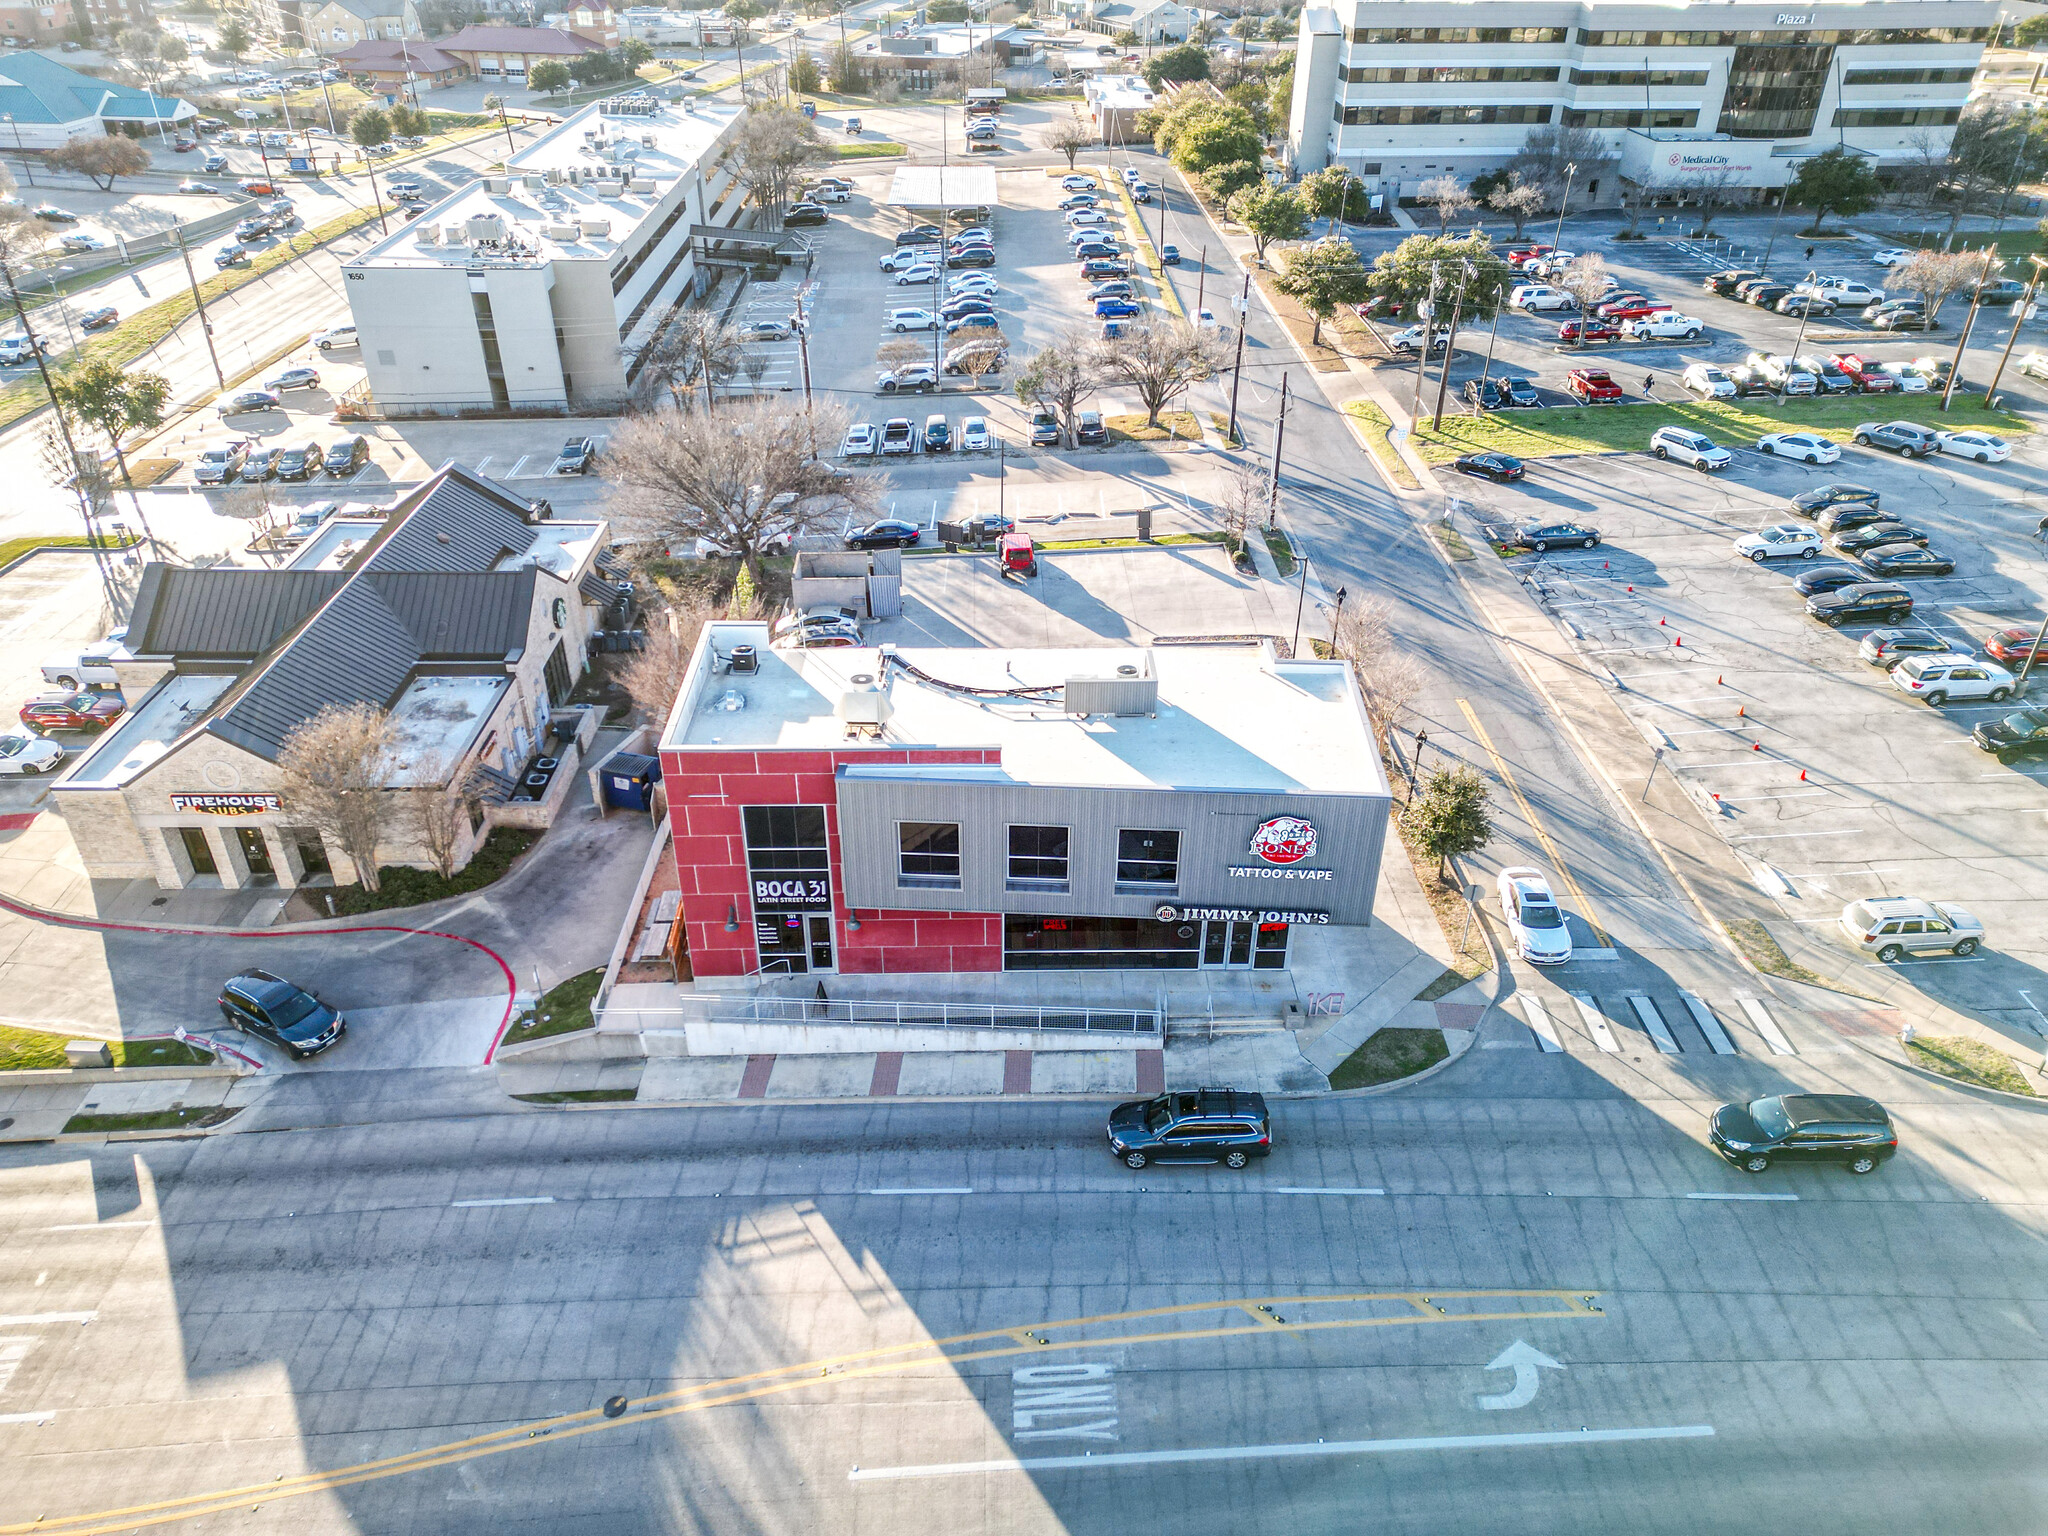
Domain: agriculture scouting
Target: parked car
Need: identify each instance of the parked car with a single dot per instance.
(1750, 381)
(1589, 330)
(1707, 382)
(920, 234)
(2013, 646)
(24, 754)
(2023, 733)
(862, 441)
(974, 348)
(1690, 447)
(902, 320)
(1077, 183)
(1889, 319)
(1764, 295)
(1779, 541)
(1411, 339)
(1782, 373)
(1891, 255)
(1843, 1128)
(1725, 282)
(258, 1003)
(1829, 379)
(1807, 447)
(1116, 309)
(230, 256)
(346, 456)
(916, 273)
(293, 378)
(1502, 394)
(576, 457)
(1813, 502)
(1208, 1125)
(1844, 292)
(1907, 439)
(335, 336)
(938, 434)
(1536, 534)
(918, 376)
(1095, 250)
(1664, 326)
(1879, 602)
(1852, 514)
(87, 710)
(300, 461)
(1888, 647)
(50, 213)
(1045, 428)
(1855, 542)
(80, 245)
(219, 463)
(1893, 927)
(974, 434)
(888, 533)
(1633, 306)
(1098, 267)
(1808, 305)
(1827, 578)
(973, 256)
(801, 215)
(1538, 298)
(1089, 431)
(1906, 559)
(1497, 467)
(1905, 378)
(213, 164)
(244, 402)
(1077, 200)
(1974, 443)
(1592, 385)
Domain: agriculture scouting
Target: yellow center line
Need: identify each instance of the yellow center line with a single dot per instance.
(1563, 869)
(778, 1380)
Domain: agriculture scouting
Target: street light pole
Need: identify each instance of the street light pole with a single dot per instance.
(1571, 170)
(1300, 598)
(205, 325)
(1244, 313)
(20, 154)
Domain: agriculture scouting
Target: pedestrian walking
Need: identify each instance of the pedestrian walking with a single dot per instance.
(1649, 384)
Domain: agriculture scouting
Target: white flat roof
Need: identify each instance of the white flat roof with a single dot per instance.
(436, 719)
(336, 542)
(558, 548)
(546, 223)
(943, 186)
(146, 732)
(1228, 717)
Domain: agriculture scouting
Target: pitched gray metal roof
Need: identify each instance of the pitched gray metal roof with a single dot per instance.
(461, 523)
(222, 612)
(463, 614)
(354, 651)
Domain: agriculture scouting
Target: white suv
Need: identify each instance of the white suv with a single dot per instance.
(1537, 296)
(1937, 679)
(1778, 541)
(1893, 927)
(901, 320)
(1688, 447)
(1843, 292)
(1664, 327)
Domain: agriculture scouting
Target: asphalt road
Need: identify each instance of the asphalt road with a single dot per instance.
(277, 1314)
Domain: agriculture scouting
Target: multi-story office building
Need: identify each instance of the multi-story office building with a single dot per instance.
(539, 288)
(1676, 90)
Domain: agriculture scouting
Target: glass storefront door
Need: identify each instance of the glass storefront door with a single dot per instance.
(1227, 945)
(793, 943)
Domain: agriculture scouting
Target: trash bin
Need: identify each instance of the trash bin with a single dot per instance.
(629, 780)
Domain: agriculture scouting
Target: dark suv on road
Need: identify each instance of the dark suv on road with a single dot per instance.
(1208, 1125)
(262, 1004)
(1841, 1128)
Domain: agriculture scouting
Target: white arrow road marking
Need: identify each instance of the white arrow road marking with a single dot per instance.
(1524, 1361)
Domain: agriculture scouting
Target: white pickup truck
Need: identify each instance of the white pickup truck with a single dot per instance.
(93, 664)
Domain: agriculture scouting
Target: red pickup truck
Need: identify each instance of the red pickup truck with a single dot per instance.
(1868, 376)
(1592, 384)
(1631, 307)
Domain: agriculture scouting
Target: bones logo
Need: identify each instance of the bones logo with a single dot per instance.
(1284, 840)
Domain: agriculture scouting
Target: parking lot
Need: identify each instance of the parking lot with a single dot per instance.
(1828, 781)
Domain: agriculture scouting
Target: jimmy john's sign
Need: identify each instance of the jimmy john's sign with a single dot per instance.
(228, 805)
(1236, 915)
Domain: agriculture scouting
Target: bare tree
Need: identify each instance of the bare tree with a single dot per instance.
(1925, 167)
(442, 817)
(1061, 378)
(1448, 196)
(742, 481)
(1244, 497)
(1389, 678)
(694, 349)
(101, 159)
(23, 236)
(1548, 154)
(1586, 280)
(336, 771)
(1937, 276)
(1159, 359)
(772, 147)
(1071, 135)
(655, 675)
(982, 356)
(1710, 190)
(1518, 198)
(902, 352)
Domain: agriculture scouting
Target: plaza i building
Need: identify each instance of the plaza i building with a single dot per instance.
(1677, 92)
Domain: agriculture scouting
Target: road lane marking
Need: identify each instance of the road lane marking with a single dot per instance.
(1653, 1023)
(466, 1205)
(1596, 1025)
(1710, 1026)
(1540, 1025)
(1766, 1026)
(40, 1416)
(1526, 1440)
(38, 1319)
(99, 1226)
(937, 1189)
(1725, 1195)
(1301, 1189)
(1423, 1307)
(1772, 837)
(1564, 872)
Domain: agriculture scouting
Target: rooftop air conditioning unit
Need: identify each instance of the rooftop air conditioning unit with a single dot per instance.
(454, 232)
(569, 232)
(532, 183)
(485, 226)
(597, 229)
(553, 175)
(647, 141)
(427, 234)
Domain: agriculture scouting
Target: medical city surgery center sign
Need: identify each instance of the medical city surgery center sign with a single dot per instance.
(1280, 843)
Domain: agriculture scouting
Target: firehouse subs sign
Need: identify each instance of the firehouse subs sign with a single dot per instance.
(1279, 843)
(1235, 915)
(228, 805)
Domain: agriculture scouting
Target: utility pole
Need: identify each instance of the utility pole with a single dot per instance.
(1201, 277)
(1571, 170)
(1443, 372)
(2019, 315)
(205, 325)
(1300, 601)
(1427, 309)
(1805, 314)
(1490, 340)
(1237, 367)
(1955, 367)
(1279, 442)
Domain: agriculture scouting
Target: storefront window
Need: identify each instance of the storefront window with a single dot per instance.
(1150, 860)
(929, 854)
(1099, 944)
(1038, 858)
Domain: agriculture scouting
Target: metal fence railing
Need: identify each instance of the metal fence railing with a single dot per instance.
(936, 1015)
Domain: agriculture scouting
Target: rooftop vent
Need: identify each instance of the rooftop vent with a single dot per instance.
(569, 232)
(499, 184)
(865, 708)
(427, 234)
(1133, 690)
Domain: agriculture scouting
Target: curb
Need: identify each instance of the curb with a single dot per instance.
(2035, 1102)
(1471, 1040)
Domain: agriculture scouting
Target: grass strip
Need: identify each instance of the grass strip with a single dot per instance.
(12, 550)
(36, 1050)
(1763, 952)
(1969, 1061)
(1389, 1056)
(151, 1120)
(1559, 430)
(1443, 986)
(411, 887)
(564, 1009)
(580, 1096)
(1373, 426)
(1231, 437)
(1281, 551)
(1173, 427)
(1051, 545)
(880, 149)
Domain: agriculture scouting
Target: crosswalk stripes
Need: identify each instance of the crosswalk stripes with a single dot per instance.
(1653, 1023)
(1702, 1015)
(1766, 1026)
(1596, 1023)
(1539, 1023)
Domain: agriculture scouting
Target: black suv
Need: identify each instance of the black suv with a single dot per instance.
(347, 456)
(262, 1004)
(1208, 1125)
(1804, 1128)
(1881, 602)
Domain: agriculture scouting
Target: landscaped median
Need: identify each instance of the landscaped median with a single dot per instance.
(1560, 430)
(135, 336)
(1374, 426)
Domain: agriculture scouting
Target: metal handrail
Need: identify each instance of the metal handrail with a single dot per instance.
(948, 1015)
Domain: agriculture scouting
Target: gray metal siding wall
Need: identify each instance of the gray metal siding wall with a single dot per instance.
(1215, 830)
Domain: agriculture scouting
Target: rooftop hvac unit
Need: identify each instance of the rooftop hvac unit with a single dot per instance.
(562, 231)
(485, 226)
(575, 175)
(454, 232)
(427, 234)
(597, 229)
(553, 175)
(647, 141)
(532, 182)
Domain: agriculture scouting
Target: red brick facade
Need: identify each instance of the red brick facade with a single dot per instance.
(706, 790)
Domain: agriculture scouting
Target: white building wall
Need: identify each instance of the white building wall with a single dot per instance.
(419, 338)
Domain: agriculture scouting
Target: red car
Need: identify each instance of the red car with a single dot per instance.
(2013, 646)
(1591, 384)
(1868, 377)
(1588, 330)
(1522, 255)
(72, 711)
(1633, 307)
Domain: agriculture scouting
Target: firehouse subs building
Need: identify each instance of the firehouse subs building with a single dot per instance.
(886, 811)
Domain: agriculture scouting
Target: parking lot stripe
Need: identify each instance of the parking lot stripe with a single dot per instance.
(1771, 837)
(1653, 1022)
(1766, 1026)
(1539, 1023)
(513, 472)
(466, 1205)
(1542, 836)
(1702, 1015)
(1731, 1195)
(1596, 1026)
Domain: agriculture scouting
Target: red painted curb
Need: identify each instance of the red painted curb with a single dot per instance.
(98, 925)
